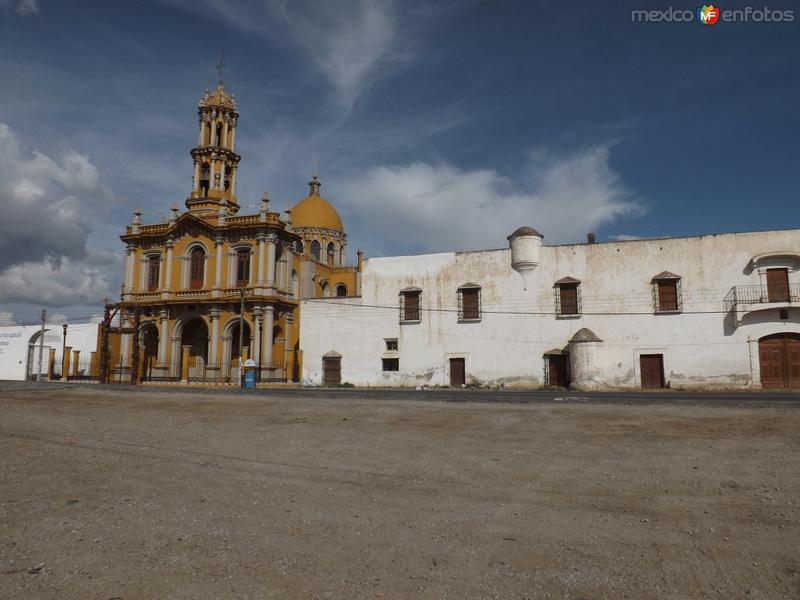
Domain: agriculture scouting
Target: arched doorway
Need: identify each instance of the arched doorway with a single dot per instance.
(779, 358)
(51, 340)
(233, 362)
(195, 336)
(149, 337)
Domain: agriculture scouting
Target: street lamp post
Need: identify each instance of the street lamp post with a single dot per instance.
(63, 350)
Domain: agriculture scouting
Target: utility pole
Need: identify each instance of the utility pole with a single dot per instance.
(241, 339)
(63, 350)
(41, 345)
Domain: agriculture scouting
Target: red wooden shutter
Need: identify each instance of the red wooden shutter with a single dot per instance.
(569, 298)
(469, 303)
(411, 306)
(668, 294)
(778, 285)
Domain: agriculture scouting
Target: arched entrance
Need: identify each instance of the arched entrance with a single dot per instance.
(51, 340)
(235, 341)
(149, 337)
(195, 336)
(779, 358)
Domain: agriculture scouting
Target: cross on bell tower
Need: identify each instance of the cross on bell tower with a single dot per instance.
(214, 157)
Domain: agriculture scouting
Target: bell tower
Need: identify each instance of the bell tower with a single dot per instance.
(215, 160)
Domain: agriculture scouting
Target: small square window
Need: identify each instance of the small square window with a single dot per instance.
(390, 364)
(391, 344)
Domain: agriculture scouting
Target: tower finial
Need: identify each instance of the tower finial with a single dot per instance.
(221, 65)
(314, 184)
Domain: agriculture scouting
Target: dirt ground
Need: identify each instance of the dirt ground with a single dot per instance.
(108, 494)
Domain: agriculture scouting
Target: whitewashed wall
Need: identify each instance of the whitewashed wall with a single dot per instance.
(701, 349)
(15, 341)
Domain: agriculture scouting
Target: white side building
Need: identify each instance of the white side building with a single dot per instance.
(19, 349)
(708, 311)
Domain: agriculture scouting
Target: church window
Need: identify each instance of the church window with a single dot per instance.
(197, 261)
(331, 252)
(298, 247)
(153, 266)
(315, 250)
(469, 302)
(242, 268)
(410, 306)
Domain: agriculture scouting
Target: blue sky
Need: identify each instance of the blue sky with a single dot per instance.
(436, 126)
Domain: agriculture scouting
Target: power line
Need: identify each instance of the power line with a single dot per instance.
(550, 313)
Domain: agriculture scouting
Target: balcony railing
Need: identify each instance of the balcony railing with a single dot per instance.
(761, 294)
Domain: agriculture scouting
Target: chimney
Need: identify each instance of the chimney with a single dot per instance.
(590, 239)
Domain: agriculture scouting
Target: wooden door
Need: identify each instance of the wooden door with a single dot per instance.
(332, 370)
(652, 369)
(779, 358)
(457, 372)
(778, 285)
(557, 372)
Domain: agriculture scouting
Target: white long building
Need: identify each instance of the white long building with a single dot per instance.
(713, 311)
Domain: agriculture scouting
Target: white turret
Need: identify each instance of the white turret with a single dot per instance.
(526, 249)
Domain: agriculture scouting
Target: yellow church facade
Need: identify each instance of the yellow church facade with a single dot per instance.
(215, 289)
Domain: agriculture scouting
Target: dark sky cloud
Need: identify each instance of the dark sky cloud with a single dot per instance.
(506, 112)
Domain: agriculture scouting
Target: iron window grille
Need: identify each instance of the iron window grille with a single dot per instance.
(410, 306)
(391, 344)
(667, 293)
(469, 303)
(390, 364)
(567, 297)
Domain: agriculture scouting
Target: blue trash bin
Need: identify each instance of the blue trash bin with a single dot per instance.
(249, 375)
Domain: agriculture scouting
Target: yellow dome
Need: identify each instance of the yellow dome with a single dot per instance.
(315, 211)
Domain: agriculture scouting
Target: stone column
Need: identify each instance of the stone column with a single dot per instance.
(76, 357)
(287, 266)
(215, 290)
(233, 180)
(224, 143)
(287, 348)
(266, 344)
(129, 271)
(196, 182)
(213, 134)
(257, 324)
(163, 340)
(211, 168)
(202, 127)
(51, 361)
(233, 137)
(222, 174)
(213, 346)
(168, 268)
(272, 239)
(65, 362)
(124, 344)
(262, 258)
(185, 351)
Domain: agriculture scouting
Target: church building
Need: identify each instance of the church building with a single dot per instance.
(192, 278)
